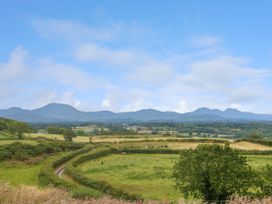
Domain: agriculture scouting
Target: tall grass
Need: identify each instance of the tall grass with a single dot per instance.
(31, 194)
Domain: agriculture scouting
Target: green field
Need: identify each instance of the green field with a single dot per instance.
(4, 135)
(259, 161)
(17, 173)
(146, 174)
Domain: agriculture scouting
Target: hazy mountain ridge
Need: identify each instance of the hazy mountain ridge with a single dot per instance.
(64, 113)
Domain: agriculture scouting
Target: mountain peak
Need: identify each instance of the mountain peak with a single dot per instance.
(234, 110)
(57, 105)
(205, 110)
(57, 110)
(150, 110)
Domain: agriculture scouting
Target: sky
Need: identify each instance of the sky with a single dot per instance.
(122, 55)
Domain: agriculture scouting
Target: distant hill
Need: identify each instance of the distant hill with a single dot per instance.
(55, 112)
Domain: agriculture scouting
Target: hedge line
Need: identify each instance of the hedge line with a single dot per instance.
(98, 185)
(147, 150)
(201, 140)
(47, 176)
(21, 151)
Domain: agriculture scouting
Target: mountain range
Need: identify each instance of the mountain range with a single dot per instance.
(59, 113)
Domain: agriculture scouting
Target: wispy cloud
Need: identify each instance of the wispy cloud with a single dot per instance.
(205, 41)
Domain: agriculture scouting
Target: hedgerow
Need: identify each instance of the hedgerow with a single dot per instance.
(47, 175)
(20, 151)
(194, 140)
(147, 150)
(98, 185)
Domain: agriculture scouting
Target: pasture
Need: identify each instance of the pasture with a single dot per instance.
(149, 175)
(143, 141)
(4, 135)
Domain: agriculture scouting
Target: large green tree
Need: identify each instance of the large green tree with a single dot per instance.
(18, 128)
(69, 134)
(213, 173)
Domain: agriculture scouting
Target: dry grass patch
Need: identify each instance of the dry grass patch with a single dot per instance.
(31, 194)
(249, 146)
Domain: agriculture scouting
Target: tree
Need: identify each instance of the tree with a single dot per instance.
(69, 134)
(21, 128)
(18, 128)
(91, 139)
(212, 173)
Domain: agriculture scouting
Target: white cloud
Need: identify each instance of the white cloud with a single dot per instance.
(69, 75)
(183, 107)
(152, 73)
(15, 68)
(72, 31)
(92, 52)
(106, 103)
(205, 41)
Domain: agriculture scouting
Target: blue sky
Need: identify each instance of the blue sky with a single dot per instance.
(128, 55)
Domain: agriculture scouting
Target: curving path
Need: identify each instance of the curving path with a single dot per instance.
(59, 170)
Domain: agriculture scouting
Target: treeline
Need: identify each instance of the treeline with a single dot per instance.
(20, 151)
(61, 130)
(14, 127)
(237, 129)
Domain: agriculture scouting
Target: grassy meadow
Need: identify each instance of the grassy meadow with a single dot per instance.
(149, 175)
(259, 161)
(18, 173)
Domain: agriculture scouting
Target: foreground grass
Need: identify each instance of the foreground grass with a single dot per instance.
(17, 173)
(31, 194)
